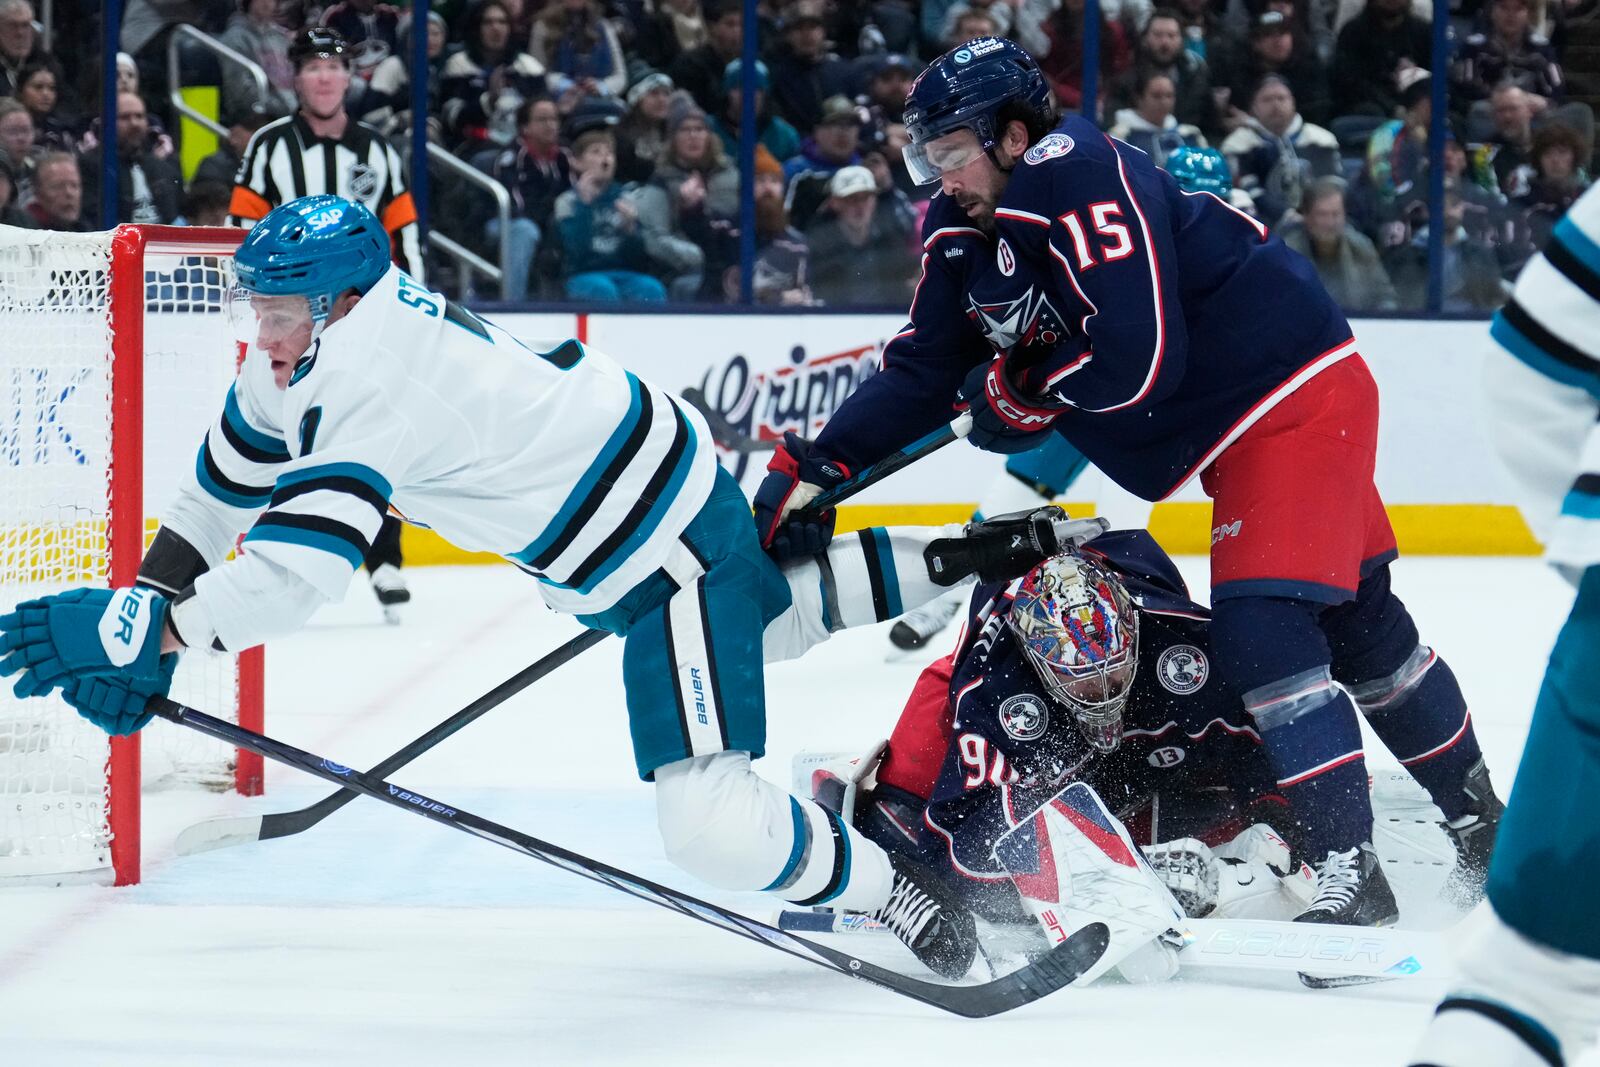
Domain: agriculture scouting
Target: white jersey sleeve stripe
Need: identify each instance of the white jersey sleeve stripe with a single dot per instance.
(591, 490)
(650, 507)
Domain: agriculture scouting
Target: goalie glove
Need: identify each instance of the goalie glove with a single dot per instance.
(1007, 546)
(1249, 877)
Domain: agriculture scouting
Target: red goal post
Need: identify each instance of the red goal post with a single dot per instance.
(116, 353)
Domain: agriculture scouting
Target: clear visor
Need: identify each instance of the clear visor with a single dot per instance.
(926, 163)
(260, 321)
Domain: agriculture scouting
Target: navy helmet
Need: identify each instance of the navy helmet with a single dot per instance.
(965, 89)
(316, 247)
(1200, 170)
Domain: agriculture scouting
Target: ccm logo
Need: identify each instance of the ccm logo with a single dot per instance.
(1229, 530)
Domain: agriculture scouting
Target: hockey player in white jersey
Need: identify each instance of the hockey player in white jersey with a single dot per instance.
(1529, 994)
(366, 391)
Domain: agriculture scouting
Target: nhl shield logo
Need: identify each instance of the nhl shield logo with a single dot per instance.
(1024, 717)
(1182, 669)
(363, 183)
(1005, 258)
(1050, 146)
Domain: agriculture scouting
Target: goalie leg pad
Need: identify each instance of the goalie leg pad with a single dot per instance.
(1074, 864)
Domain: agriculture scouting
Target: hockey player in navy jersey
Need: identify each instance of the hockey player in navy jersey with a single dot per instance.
(1070, 287)
(364, 390)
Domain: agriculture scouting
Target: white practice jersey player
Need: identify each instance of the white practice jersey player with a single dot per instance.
(582, 474)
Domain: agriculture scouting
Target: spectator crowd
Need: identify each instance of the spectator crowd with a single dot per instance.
(614, 126)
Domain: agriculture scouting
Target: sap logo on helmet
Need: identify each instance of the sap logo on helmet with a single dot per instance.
(1005, 259)
(1050, 146)
(1166, 756)
(1182, 669)
(1024, 717)
(325, 218)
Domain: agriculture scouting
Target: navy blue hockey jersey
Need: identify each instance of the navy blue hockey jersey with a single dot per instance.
(1013, 746)
(1172, 320)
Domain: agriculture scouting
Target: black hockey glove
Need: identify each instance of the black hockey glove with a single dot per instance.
(1007, 546)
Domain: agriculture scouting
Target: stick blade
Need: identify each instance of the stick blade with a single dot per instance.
(219, 833)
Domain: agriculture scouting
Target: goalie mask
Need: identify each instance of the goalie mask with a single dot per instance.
(1080, 631)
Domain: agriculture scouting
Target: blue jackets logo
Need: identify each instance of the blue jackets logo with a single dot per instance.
(1182, 669)
(1024, 717)
(1050, 146)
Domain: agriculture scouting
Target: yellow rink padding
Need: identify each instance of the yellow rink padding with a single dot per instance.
(198, 142)
(1183, 528)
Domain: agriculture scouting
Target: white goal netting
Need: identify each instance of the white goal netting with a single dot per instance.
(61, 481)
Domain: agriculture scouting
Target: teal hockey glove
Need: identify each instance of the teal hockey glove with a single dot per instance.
(82, 633)
(116, 703)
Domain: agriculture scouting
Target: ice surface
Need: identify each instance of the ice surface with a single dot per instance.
(378, 937)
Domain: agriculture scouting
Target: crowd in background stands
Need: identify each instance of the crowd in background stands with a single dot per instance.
(614, 124)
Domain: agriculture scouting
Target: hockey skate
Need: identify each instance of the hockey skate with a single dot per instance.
(1473, 835)
(929, 921)
(1352, 891)
(919, 626)
(390, 586)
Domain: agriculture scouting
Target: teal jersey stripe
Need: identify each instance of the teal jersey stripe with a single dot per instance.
(333, 546)
(844, 843)
(1515, 342)
(799, 848)
(658, 511)
(1581, 505)
(359, 472)
(230, 496)
(1580, 244)
(586, 484)
(276, 446)
(891, 580)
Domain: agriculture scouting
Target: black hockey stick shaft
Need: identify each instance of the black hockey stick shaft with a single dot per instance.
(894, 461)
(284, 823)
(725, 433)
(1050, 972)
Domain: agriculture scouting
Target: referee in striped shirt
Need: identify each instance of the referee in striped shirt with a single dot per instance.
(321, 149)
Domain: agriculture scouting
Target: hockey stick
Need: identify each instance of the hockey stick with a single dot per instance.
(1359, 954)
(243, 829)
(1050, 972)
(873, 473)
(725, 433)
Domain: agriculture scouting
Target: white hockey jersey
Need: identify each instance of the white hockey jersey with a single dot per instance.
(562, 461)
(1544, 387)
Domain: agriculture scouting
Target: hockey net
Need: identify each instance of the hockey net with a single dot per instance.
(115, 357)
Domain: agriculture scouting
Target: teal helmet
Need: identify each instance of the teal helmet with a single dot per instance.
(316, 247)
(1200, 170)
